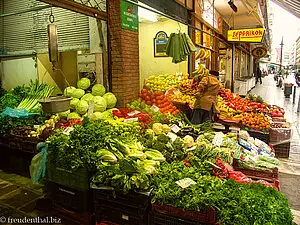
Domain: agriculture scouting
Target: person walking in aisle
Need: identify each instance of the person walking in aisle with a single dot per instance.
(204, 106)
(258, 75)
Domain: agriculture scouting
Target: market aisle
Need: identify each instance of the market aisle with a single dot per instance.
(289, 171)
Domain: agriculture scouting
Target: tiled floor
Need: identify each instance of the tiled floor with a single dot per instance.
(289, 171)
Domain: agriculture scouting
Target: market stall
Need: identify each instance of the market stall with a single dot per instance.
(145, 161)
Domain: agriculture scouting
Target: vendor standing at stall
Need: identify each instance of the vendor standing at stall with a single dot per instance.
(204, 106)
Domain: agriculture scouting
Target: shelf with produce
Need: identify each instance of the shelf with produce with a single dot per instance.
(202, 46)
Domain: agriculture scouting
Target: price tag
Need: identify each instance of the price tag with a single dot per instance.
(185, 183)
(154, 108)
(125, 217)
(133, 113)
(68, 130)
(135, 119)
(175, 128)
(36, 126)
(218, 139)
(91, 109)
(172, 136)
(192, 148)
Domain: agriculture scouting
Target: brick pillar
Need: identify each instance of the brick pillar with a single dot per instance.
(125, 57)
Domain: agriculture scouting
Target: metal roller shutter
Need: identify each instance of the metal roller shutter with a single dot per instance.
(26, 33)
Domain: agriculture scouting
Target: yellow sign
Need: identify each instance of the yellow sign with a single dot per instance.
(246, 35)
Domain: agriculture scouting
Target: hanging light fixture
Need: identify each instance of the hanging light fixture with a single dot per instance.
(232, 5)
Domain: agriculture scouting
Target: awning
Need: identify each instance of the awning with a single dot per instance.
(293, 6)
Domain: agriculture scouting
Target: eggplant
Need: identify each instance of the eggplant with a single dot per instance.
(187, 129)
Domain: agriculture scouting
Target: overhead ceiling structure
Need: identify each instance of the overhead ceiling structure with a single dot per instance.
(293, 6)
(248, 13)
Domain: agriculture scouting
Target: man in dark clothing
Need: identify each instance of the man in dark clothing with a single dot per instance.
(258, 76)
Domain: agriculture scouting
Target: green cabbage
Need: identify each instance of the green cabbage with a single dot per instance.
(78, 93)
(107, 115)
(99, 104)
(73, 103)
(96, 116)
(88, 98)
(82, 107)
(188, 141)
(111, 99)
(84, 83)
(68, 91)
(98, 90)
(64, 114)
(73, 115)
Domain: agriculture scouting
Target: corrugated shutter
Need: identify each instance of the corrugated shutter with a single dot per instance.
(18, 36)
(27, 32)
(1, 29)
(72, 29)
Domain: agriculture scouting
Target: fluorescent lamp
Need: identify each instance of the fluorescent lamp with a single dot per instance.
(147, 15)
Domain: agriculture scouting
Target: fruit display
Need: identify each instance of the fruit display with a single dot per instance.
(275, 111)
(257, 121)
(183, 98)
(200, 72)
(158, 99)
(203, 54)
(252, 110)
(165, 82)
(227, 113)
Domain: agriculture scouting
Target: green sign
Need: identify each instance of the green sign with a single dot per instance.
(129, 16)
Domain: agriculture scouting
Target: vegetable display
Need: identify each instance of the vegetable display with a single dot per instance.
(37, 91)
(96, 101)
(149, 145)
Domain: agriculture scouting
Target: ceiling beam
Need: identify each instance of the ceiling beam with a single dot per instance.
(78, 8)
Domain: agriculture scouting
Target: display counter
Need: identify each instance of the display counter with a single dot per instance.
(243, 86)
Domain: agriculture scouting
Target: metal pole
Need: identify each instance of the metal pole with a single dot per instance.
(232, 67)
(298, 109)
(294, 94)
(281, 44)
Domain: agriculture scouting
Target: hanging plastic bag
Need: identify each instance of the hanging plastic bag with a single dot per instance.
(38, 164)
(17, 113)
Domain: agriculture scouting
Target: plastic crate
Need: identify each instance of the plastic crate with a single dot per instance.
(132, 208)
(70, 198)
(131, 199)
(254, 173)
(282, 150)
(261, 136)
(278, 135)
(206, 217)
(78, 179)
(156, 218)
(121, 214)
(71, 217)
(4, 140)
